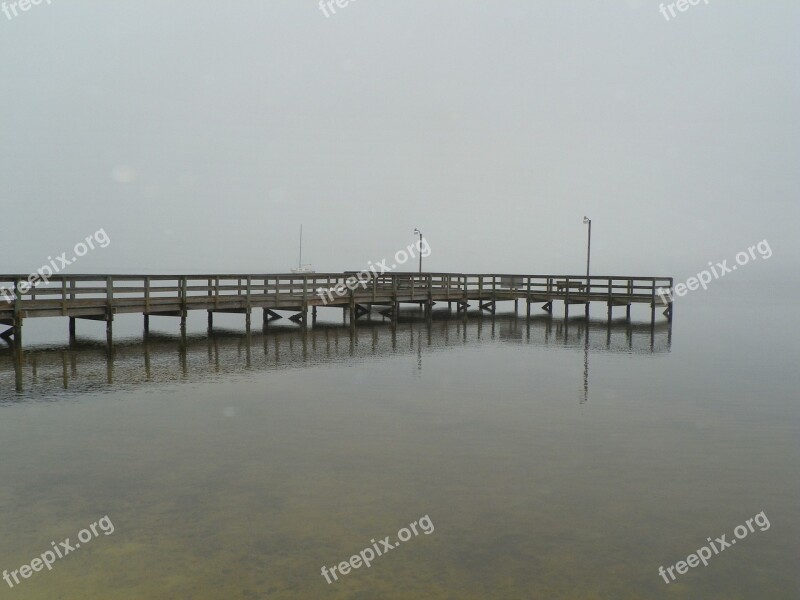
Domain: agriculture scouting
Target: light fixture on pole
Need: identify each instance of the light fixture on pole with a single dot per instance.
(588, 221)
(419, 248)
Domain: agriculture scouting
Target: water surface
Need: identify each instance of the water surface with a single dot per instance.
(554, 460)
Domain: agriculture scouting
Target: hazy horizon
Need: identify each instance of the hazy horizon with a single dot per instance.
(200, 136)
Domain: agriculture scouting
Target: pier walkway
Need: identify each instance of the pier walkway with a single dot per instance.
(102, 297)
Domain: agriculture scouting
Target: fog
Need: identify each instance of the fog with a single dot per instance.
(200, 136)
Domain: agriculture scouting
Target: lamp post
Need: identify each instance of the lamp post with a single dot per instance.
(419, 248)
(588, 221)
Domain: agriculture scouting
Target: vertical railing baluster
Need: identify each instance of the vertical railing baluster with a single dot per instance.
(17, 298)
(247, 296)
(109, 293)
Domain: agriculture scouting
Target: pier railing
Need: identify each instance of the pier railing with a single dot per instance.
(101, 297)
(151, 293)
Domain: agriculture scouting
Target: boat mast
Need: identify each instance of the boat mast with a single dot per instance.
(300, 256)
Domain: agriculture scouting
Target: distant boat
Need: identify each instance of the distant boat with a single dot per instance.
(302, 268)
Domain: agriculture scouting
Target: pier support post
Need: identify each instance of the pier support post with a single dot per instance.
(247, 321)
(72, 328)
(628, 312)
(566, 310)
(610, 309)
(516, 305)
(528, 312)
(210, 321)
(110, 330)
(183, 323)
(313, 315)
(652, 312)
(146, 324)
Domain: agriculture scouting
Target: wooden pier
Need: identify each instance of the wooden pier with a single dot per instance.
(102, 297)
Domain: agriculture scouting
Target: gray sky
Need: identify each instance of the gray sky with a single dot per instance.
(200, 135)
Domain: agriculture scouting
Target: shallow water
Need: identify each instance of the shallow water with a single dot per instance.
(553, 462)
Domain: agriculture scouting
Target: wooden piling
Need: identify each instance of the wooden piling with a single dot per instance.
(110, 330)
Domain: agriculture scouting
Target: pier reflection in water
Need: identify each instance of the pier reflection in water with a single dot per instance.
(86, 366)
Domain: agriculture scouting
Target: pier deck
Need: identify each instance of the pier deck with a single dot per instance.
(101, 297)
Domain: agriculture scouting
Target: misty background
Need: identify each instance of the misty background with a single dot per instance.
(200, 135)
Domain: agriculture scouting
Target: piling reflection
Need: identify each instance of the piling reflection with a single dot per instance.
(85, 366)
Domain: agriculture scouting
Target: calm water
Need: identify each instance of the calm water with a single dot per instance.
(553, 461)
